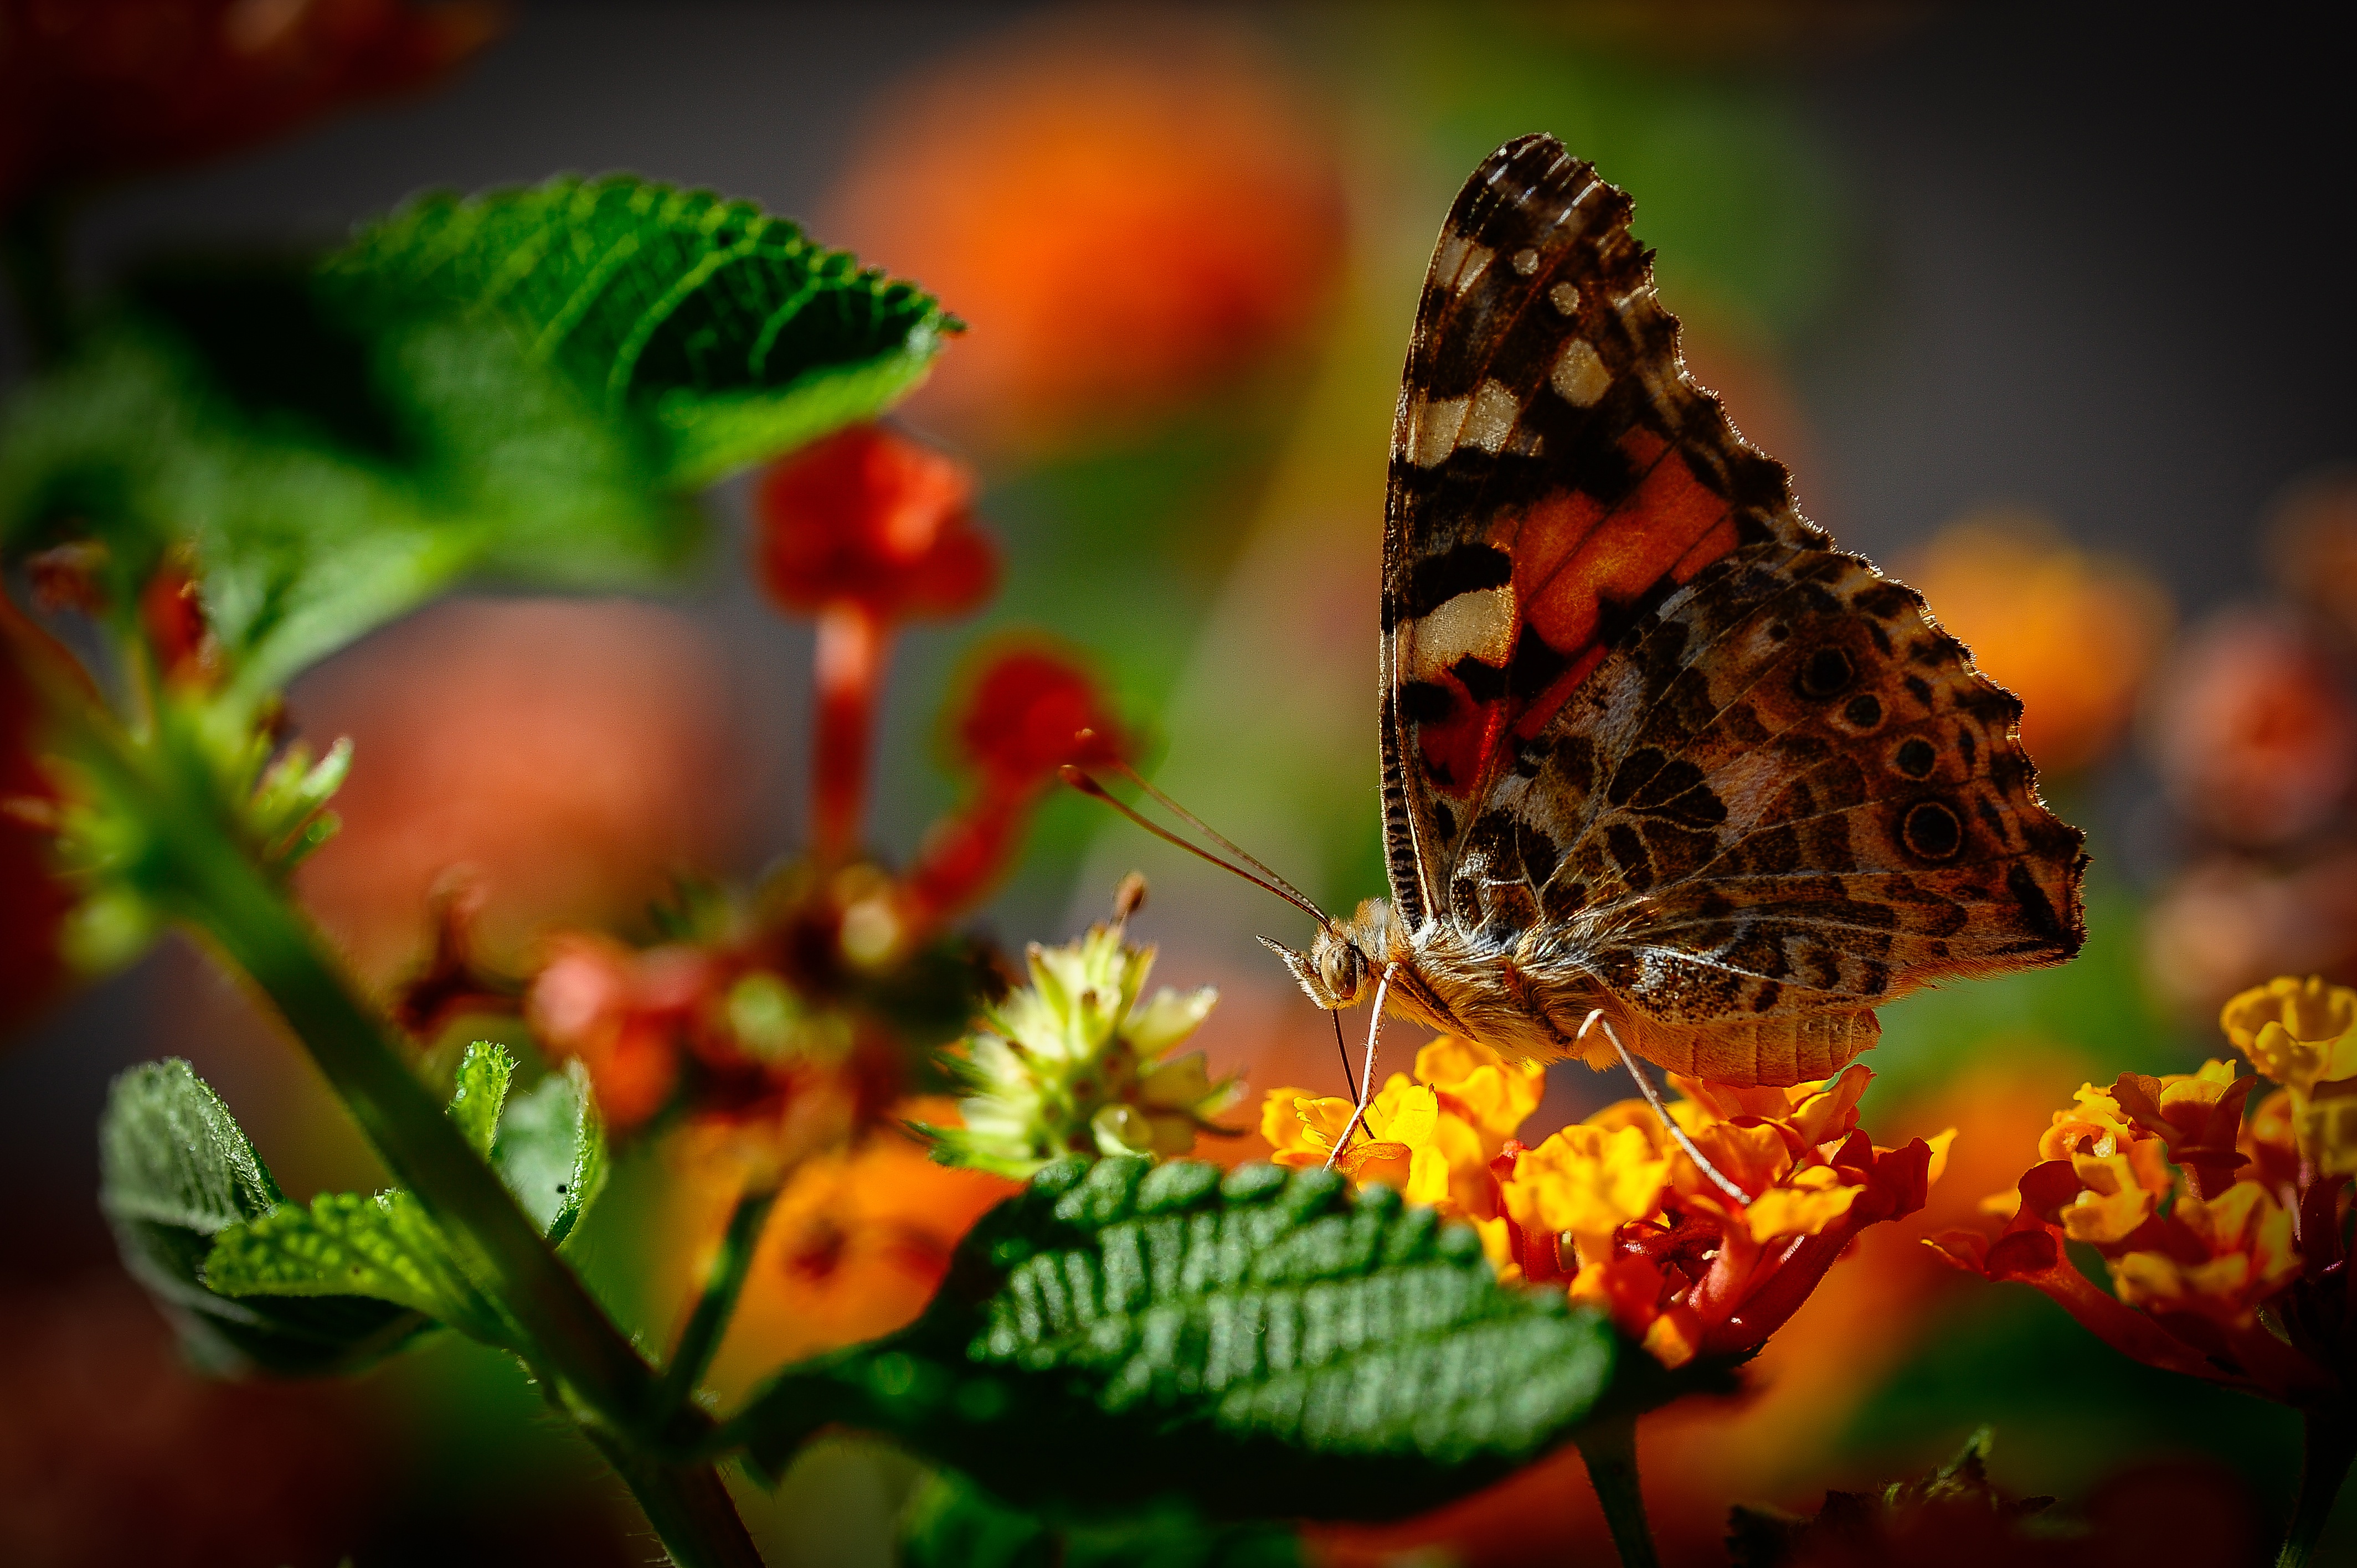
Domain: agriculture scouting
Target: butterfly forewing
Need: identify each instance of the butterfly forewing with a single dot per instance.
(1639, 714)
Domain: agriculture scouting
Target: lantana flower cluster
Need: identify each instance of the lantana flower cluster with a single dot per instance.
(794, 1018)
(1613, 1207)
(2224, 1235)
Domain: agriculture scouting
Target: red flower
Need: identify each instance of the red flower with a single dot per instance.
(33, 904)
(864, 530)
(1031, 711)
(2259, 735)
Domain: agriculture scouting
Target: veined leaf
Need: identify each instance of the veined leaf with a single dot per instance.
(343, 1244)
(1255, 1344)
(177, 1172)
(733, 335)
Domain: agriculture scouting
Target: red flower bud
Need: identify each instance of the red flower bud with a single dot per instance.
(869, 518)
(1032, 712)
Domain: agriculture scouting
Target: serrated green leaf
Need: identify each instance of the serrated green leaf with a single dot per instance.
(177, 1171)
(479, 1091)
(386, 1247)
(952, 1523)
(732, 335)
(551, 1150)
(1256, 1344)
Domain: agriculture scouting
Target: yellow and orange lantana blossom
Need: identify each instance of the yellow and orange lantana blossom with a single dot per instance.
(1613, 1205)
(2224, 1235)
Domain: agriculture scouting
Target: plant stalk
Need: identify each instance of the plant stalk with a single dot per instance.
(688, 1504)
(1610, 1449)
(2329, 1444)
(708, 1323)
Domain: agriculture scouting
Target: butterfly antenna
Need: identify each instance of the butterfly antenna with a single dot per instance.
(1654, 1098)
(1272, 882)
(1342, 1048)
(1199, 825)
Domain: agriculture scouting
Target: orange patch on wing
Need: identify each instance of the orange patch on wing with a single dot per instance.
(1456, 749)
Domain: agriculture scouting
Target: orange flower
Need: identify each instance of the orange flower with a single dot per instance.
(1680, 1264)
(1434, 1136)
(858, 1240)
(2249, 1222)
(2073, 636)
(1128, 215)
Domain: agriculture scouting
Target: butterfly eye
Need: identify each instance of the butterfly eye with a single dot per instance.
(1931, 830)
(1827, 673)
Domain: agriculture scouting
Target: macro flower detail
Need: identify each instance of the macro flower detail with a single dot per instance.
(1079, 1062)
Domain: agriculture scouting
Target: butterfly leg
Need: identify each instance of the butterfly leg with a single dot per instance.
(1367, 1072)
(1654, 1098)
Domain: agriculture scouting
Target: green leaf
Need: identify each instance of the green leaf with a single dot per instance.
(726, 331)
(521, 383)
(1257, 1343)
(952, 1523)
(548, 1149)
(551, 1150)
(481, 1088)
(177, 1171)
(344, 1244)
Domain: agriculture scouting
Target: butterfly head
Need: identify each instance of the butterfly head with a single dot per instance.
(1336, 968)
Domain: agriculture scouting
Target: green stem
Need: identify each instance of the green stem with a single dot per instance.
(568, 1339)
(2328, 1445)
(1610, 1449)
(709, 1322)
(688, 1505)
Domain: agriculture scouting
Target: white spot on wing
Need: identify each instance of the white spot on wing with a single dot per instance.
(1491, 419)
(1579, 375)
(1479, 624)
(1432, 427)
(1526, 261)
(1564, 297)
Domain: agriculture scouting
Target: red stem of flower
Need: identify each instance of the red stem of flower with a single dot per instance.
(854, 648)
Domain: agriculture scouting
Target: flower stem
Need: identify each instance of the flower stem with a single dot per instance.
(2329, 1444)
(723, 1279)
(853, 646)
(1610, 1449)
(200, 869)
(688, 1505)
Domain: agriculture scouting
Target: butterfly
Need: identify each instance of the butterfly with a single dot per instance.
(1656, 754)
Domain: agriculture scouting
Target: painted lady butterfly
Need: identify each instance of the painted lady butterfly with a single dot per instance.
(1653, 751)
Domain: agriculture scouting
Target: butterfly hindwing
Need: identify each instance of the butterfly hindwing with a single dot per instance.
(1637, 710)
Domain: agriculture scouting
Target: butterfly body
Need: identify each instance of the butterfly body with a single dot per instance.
(1651, 744)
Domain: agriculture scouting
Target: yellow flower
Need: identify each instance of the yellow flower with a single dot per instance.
(1587, 1180)
(2249, 1237)
(1811, 1199)
(2297, 1032)
(2113, 1202)
(1396, 1142)
(1490, 1095)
